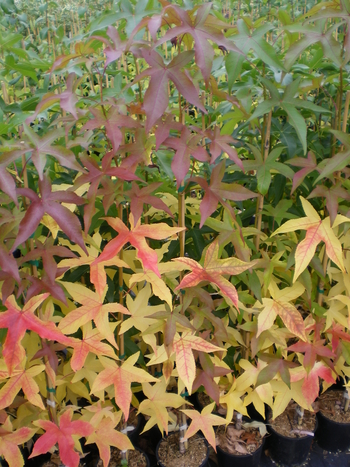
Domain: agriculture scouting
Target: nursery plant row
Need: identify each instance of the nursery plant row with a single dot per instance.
(174, 231)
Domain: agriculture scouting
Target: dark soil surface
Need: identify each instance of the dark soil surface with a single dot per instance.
(286, 424)
(331, 406)
(135, 459)
(170, 456)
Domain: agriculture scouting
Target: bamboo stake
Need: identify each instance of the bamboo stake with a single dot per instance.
(183, 445)
(260, 201)
(320, 287)
(4, 93)
(346, 111)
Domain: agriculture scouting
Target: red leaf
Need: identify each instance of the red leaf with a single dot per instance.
(141, 196)
(137, 237)
(156, 97)
(63, 435)
(17, 321)
(221, 143)
(105, 436)
(40, 147)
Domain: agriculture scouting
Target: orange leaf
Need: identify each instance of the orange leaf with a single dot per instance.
(213, 272)
(136, 236)
(121, 377)
(90, 342)
(92, 309)
(9, 441)
(22, 380)
(17, 321)
(204, 422)
(105, 435)
(317, 230)
(183, 346)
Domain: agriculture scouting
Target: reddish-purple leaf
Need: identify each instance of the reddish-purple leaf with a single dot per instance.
(185, 146)
(141, 196)
(114, 119)
(156, 98)
(49, 203)
(218, 191)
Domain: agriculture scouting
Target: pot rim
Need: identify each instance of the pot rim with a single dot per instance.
(340, 424)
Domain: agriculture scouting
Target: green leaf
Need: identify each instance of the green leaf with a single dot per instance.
(264, 179)
(335, 163)
(233, 63)
(9, 40)
(165, 159)
(298, 123)
(263, 108)
(254, 285)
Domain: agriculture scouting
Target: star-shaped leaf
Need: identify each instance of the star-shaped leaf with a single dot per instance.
(205, 377)
(155, 406)
(310, 381)
(136, 236)
(246, 39)
(90, 342)
(40, 147)
(280, 305)
(204, 422)
(105, 435)
(63, 435)
(186, 146)
(50, 203)
(113, 119)
(203, 28)
(92, 308)
(121, 376)
(17, 322)
(218, 191)
(10, 441)
(139, 311)
(141, 196)
(213, 271)
(156, 98)
(113, 51)
(22, 379)
(311, 350)
(317, 230)
(313, 34)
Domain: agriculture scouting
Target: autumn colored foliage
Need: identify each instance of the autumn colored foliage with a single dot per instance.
(174, 189)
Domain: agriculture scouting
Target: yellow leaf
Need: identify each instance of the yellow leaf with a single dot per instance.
(51, 224)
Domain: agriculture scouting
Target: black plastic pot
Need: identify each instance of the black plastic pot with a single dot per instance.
(225, 459)
(331, 435)
(255, 415)
(288, 451)
(205, 463)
